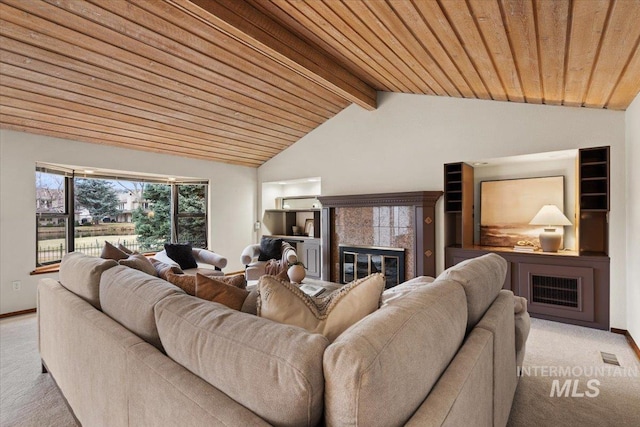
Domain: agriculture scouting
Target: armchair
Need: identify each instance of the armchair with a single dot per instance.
(256, 268)
(209, 263)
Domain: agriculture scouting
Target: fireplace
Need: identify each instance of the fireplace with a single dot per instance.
(397, 222)
(357, 262)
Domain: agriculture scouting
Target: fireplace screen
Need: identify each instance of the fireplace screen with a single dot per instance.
(357, 262)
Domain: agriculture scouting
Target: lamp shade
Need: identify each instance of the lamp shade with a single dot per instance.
(550, 215)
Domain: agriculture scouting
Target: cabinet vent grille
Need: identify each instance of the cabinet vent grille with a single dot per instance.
(555, 290)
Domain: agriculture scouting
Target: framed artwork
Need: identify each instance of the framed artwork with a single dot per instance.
(308, 227)
(507, 207)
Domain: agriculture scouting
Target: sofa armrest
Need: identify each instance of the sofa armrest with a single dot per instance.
(523, 326)
(249, 254)
(289, 254)
(209, 257)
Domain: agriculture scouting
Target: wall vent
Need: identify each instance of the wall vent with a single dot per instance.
(561, 291)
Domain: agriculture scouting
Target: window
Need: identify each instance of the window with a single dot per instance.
(140, 213)
(191, 215)
(52, 216)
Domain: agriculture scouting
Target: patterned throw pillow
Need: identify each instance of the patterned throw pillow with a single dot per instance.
(111, 252)
(330, 315)
(186, 282)
(139, 262)
(212, 289)
(239, 281)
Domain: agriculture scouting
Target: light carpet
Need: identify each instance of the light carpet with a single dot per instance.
(29, 398)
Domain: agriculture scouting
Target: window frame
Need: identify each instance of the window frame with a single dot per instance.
(69, 208)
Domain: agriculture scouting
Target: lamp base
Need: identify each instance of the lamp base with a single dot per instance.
(550, 240)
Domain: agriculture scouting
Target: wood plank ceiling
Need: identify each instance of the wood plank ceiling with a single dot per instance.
(239, 82)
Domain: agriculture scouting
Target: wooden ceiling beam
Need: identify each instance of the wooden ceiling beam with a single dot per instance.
(251, 27)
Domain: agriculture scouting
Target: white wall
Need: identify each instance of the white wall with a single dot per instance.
(632, 120)
(565, 167)
(232, 207)
(403, 145)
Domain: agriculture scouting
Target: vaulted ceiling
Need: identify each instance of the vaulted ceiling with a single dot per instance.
(238, 82)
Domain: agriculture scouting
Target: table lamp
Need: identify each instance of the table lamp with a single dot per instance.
(550, 217)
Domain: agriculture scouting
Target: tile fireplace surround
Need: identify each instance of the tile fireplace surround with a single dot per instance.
(389, 220)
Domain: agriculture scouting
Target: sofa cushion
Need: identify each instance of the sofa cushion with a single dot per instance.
(81, 274)
(284, 302)
(139, 262)
(482, 279)
(270, 249)
(405, 346)
(211, 289)
(182, 254)
(128, 296)
(405, 288)
(111, 252)
(272, 369)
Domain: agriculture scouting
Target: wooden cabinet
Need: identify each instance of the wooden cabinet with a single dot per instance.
(309, 253)
(570, 287)
(458, 204)
(593, 191)
(558, 286)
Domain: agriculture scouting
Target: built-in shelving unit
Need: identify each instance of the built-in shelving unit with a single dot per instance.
(300, 227)
(593, 178)
(567, 286)
(458, 204)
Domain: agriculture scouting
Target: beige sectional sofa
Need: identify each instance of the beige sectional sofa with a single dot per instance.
(128, 349)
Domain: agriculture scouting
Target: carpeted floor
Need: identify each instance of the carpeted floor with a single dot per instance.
(29, 398)
(556, 346)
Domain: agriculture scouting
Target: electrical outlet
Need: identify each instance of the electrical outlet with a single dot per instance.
(256, 225)
(16, 285)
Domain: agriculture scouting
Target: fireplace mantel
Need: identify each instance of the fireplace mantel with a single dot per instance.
(423, 226)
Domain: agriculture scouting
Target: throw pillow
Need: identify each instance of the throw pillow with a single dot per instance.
(331, 315)
(111, 252)
(125, 249)
(239, 281)
(186, 282)
(139, 262)
(162, 269)
(250, 304)
(270, 249)
(182, 254)
(218, 291)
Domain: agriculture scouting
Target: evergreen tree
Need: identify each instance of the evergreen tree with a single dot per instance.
(97, 196)
(193, 229)
(153, 225)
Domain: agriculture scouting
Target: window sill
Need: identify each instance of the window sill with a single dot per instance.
(47, 269)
